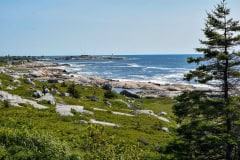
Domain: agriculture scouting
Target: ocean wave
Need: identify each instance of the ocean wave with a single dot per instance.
(166, 68)
(167, 78)
(87, 73)
(61, 67)
(74, 69)
(103, 62)
(140, 77)
(120, 66)
(130, 59)
(128, 80)
(77, 65)
(176, 75)
(133, 65)
(96, 62)
(106, 73)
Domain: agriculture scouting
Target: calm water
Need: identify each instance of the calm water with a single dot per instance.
(154, 68)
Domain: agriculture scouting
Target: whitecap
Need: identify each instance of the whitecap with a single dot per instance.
(74, 69)
(120, 66)
(78, 66)
(167, 78)
(176, 75)
(133, 65)
(130, 80)
(139, 76)
(166, 68)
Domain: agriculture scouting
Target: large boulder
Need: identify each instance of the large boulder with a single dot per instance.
(107, 87)
(92, 98)
(29, 81)
(46, 90)
(65, 94)
(55, 91)
(53, 81)
(165, 129)
(49, 98)
(37, 73)
(10, 88)
(15, 81)
(2, 70)
(37, 94)
(108, 104)
(129, 94)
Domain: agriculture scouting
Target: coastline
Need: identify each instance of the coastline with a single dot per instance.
(55, 72)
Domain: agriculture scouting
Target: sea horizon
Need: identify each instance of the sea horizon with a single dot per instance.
(96, 54)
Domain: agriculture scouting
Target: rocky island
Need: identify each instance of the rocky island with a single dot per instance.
(81, 57)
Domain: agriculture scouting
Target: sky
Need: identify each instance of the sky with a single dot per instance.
(73, 27)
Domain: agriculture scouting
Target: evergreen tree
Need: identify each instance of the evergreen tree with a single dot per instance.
(210, 120)
(221, 60)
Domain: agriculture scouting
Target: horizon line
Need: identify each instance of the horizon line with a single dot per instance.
(98, 54)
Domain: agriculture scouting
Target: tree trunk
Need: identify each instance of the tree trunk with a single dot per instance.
(226, 96)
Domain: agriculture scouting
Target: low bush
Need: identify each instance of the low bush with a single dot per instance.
(73, 91)
(6, 104)
(110, 94)
(20, 144)
(99, 146)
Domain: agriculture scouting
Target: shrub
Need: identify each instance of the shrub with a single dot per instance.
(63, 84)
(20, 144)
(100, 146)
(6, 104)
(157, 126)
(110, 94)
(73, 91)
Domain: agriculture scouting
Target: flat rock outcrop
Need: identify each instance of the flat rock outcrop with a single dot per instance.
(151, 113)
(49, 98)
(15, 100)
(65, 110)
(103, 123)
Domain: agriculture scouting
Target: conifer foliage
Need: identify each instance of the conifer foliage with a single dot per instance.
(210, 120)
(220, 60)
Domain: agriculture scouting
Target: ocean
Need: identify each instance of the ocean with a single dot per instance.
(160, 69)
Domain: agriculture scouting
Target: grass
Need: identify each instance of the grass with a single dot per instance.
(69, 130)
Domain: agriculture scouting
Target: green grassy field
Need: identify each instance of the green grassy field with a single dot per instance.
(143, 131)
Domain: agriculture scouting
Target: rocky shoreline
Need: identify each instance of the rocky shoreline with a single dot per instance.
(54, 73)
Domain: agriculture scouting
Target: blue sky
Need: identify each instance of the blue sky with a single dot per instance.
(68, 27)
